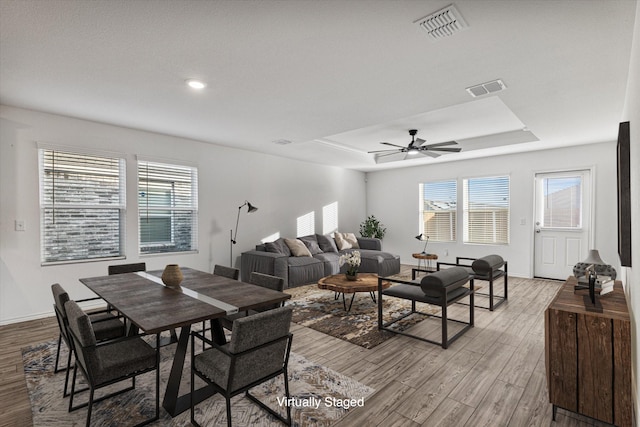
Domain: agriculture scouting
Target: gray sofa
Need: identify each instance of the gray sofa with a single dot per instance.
(276, 259)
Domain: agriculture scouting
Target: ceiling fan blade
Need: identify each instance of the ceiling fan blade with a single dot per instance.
(448, 149)
(442, 144)
(389, 154)
(383, 151)
(393, 145)
(418, 142)
(430, 154)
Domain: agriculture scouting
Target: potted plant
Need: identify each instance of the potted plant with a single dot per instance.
(371, 227)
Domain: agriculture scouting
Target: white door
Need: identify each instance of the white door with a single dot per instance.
(562, 222)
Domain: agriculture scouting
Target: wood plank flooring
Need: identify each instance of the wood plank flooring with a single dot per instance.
(494, 375)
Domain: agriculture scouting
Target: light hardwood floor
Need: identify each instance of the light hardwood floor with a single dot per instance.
(494, 375)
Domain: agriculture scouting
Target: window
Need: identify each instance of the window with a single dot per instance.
(82, 203)
(562, 202)
(438, 210)
(167, 207)
(486, 210)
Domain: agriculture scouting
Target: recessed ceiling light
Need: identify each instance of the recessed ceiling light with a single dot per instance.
(196, 84)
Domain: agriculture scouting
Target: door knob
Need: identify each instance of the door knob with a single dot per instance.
(537, 230)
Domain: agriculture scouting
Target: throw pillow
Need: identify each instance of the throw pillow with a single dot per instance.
(342, 242)
(312, 244)
(279, 247)
(297, 247)
(352, 239)
(326, 243)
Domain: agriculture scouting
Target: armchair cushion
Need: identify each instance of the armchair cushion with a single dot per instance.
(486, 265)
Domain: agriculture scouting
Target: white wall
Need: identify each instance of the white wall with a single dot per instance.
(392, 196)
(632, 114)
(282, 189)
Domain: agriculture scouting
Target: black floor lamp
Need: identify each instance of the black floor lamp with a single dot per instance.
(250, 209)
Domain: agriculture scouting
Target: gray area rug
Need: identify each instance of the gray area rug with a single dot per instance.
(309, 383)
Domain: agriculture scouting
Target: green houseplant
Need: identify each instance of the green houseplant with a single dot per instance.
(371, 227)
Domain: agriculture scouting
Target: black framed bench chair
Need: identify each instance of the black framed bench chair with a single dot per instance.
(488, 268)
(442, 289)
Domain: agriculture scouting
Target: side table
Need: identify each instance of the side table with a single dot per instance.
(425, 260)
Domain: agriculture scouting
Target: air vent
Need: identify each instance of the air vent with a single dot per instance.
(486, 88)
(443, 23)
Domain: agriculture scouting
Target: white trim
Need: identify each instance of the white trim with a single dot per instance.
(80, 150)
(165, 161)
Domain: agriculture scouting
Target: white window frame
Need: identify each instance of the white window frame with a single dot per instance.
(188, 175)
(453, 222)
(57, 165)
(495, 231)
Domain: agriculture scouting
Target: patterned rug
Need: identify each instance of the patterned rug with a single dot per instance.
(309, 383)
(318, 309)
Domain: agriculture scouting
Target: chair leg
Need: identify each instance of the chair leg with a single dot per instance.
(287, 394)
(444, 326)
(228, 411)
(55, 367)
(73, 387)
(491, 294)
(90, 407)
(66, 377)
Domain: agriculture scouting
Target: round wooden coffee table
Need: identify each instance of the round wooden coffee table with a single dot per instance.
(366, 282)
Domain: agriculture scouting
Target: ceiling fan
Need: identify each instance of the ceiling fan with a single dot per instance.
(416, 147)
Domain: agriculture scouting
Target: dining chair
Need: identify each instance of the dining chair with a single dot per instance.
(258, 351)
(105, 325)
(229, 272)
(109, 362)
(127, 268)
(262, 280)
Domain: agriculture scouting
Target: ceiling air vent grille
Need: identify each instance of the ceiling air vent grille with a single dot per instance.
(485, 88)
(443, 23)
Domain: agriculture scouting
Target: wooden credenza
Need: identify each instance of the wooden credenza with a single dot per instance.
(588, 354)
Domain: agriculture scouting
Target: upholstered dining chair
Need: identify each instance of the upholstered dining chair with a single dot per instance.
(127, 268)
(258, 351)
(105, 325)
(229, 272)
(109, 362)
(259, 279)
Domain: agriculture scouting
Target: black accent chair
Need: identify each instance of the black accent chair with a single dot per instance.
(489, 268)
(258, 351)
(105, 325)
(441, 288)
(109, 362)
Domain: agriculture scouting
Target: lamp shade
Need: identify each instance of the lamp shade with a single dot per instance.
(419, 236)
(251, 208)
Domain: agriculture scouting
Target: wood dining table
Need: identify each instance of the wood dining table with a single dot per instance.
(152, 307)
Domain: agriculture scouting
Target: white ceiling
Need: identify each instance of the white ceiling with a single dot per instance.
(334, 77)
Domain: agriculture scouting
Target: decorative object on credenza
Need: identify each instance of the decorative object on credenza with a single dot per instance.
(594, 273)
(232, 234)
(426, 242)
(352, 260)
(172, 275)
(371, 227)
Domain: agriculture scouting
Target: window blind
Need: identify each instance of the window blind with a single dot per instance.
(486, 210)
(82, 201)
(438, 213)
(167, 207)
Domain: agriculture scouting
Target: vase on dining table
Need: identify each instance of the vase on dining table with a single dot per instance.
(172, 275)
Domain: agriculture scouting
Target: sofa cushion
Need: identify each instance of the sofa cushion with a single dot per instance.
(278, 247)
(326, 243)
(297, 248)
(331, 262)
(311, 243)
(346, 241)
